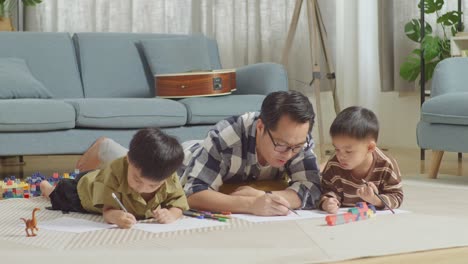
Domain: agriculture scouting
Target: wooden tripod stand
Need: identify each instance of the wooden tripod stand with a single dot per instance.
(316, 32)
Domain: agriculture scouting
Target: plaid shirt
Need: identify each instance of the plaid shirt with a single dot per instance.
(228, 154)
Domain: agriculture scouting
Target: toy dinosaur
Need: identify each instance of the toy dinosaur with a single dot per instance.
(31, 224)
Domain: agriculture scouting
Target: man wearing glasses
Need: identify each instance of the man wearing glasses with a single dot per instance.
(267, 157)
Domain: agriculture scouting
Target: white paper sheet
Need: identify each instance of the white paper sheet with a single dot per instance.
(303, 214)
(181, 224)
(74, 225)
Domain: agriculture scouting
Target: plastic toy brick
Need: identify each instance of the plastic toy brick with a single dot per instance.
(362, 211)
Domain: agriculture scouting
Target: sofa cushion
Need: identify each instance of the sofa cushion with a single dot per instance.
(175, 55)
(113, 64)
(35, 115)
(209, 110)
(17, 81)
(451, 108)
(50, 57)
(128, 113)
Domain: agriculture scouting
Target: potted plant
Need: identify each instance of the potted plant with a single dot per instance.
(436, 48)
(7, 7)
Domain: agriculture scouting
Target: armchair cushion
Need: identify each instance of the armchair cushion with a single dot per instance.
(450, 108)
(16, 81)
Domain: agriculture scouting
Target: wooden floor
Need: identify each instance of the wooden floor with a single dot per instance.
(408, 160)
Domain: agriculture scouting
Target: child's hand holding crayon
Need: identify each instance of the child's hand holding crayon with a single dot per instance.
(331, 205)
(126, 220)
(369, 194)
(121, 218)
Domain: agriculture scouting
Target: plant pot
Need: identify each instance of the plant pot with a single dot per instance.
(5, 24)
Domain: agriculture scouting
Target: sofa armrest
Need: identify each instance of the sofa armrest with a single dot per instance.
(261, 78)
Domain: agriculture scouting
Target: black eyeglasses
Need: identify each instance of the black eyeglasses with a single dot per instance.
(285, 148)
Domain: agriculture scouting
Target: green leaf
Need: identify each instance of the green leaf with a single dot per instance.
(429, 69)
(413, 29)
(449, 18)
(453, 30)
(444, 45)
(431, 47)
(31, 2)
(431, 6)
(410, 69)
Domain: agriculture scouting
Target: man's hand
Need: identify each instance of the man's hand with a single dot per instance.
(367, 194)
(166, 216)
(331, 205)
(270, 204)
(247, 191)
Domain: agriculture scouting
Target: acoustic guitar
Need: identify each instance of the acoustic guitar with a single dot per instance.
(195, 84)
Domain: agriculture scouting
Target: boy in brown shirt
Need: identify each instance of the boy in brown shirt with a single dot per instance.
(144, 181)
(359, 168)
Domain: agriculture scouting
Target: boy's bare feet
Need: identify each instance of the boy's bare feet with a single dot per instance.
(46, 188)
(90, 159)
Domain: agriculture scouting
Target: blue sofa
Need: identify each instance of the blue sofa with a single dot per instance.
(102, 84)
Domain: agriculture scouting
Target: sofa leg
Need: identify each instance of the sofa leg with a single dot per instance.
(435, 163)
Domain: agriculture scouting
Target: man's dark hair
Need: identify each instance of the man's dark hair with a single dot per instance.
(155, 153)
(291, 103)
(356, 122)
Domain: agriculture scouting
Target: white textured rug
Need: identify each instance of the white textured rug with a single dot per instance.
(438, 220)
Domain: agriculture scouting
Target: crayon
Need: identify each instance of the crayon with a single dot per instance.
(192, 214)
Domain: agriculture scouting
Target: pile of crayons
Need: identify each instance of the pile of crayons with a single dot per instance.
(220, 216)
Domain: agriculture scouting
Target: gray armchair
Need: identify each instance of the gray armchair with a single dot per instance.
(444, 117)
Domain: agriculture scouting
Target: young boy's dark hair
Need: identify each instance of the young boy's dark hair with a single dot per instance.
(155, 153)
(291, 103)
(356, 122)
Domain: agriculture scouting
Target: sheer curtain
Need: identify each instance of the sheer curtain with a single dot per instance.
(371, 45)
(247, 31)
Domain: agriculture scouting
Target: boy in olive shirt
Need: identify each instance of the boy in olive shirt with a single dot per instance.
(144, 181)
